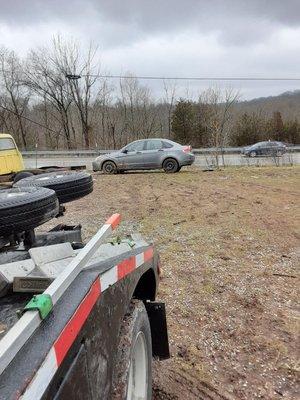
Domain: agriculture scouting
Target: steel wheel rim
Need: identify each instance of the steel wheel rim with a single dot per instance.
(109, 168)
(138, 370)
(170, 165)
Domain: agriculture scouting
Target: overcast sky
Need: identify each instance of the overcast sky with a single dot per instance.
(255, 38)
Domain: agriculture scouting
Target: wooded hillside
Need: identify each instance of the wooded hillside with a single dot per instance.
(56, 99)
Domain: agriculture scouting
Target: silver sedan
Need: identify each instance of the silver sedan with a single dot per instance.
(146, 154)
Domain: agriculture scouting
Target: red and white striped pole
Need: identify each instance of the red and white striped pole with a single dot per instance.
(62, 282)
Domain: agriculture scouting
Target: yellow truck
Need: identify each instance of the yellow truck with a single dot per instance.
(12, 165)
(11, 160)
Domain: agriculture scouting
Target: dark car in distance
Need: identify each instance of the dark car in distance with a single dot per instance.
(268, 148)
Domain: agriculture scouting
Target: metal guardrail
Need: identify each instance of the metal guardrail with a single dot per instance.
(95, 153)
(64, 153)
(234, 150)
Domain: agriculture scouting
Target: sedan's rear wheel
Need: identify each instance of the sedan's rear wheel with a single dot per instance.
(109, 167)
(170, 165)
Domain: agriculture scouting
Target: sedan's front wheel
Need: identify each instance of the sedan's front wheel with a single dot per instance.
(252, 154)
(109, 167)
(170, 165)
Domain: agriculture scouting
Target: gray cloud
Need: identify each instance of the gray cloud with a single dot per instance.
(238, 21)
(168, 37)
(26, 12)
(160, 14)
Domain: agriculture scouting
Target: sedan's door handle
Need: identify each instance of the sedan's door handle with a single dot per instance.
(160, 150)
(138, 152)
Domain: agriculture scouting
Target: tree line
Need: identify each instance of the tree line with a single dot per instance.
(55, 99)
(210, 124)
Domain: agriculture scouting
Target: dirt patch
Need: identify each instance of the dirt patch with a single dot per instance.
(229, 244)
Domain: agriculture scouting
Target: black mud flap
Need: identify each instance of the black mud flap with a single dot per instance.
(159, 331)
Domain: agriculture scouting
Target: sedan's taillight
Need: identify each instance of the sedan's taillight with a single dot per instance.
(187, 149)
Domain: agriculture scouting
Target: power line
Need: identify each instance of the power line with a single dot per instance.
(191, 78)
(177, 78)
(30, 120)
(37, 123)
(75, 76)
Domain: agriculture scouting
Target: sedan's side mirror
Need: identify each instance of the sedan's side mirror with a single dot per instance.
(125, 151)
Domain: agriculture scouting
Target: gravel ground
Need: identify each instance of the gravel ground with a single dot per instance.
(230, 244)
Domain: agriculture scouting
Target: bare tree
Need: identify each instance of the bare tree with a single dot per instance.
(169, 100)
(44, 77)
(46, 114)
(105, 116)
(79, 67)
(90, 111)
(217, 109)
(15, 97)
(139, 114)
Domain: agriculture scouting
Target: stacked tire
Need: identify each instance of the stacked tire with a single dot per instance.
(23, 209)
(68, 186)
(35, 199)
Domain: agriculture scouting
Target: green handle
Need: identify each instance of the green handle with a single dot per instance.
(42, 303)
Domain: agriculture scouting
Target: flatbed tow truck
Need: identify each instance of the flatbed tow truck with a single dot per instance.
(77, 321)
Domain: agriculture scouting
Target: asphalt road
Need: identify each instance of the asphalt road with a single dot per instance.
(201, 161)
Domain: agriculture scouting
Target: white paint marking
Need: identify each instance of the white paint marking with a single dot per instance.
(109, 278)
(139, 259)
(42, 378)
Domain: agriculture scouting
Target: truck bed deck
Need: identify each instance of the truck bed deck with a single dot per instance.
(13, 302)
(9, 306)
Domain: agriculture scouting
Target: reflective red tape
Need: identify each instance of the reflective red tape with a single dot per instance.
(126, 266)
(61, 346)
(73, 327)
(148, 254)
(114, 220)
(71, 330)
